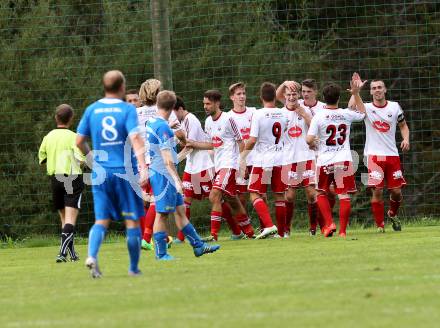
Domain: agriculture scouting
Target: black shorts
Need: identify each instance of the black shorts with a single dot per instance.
(66, 191)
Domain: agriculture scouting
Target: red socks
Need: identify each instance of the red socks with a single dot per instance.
(289, 215)
(263, 212)
(143, 220)
(149, 222)
(324, 208)
(280, 215)
(313, 215)
(216, 222)
(344, 214)
(245, 224)
(378, 213)
(226, 214)
(394, 207)
(331, 200)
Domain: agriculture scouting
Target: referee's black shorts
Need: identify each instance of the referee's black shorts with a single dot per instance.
(66, 191)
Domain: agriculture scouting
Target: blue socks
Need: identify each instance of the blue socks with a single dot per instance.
(160, 243)
(134, 247)
(96, 236)
(192, 236)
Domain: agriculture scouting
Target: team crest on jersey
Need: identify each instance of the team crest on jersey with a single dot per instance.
(390, 115)
(381, 126)
(206, 189)
(376, 175)
(187, 185)
(217, 141)
(295, 131)
(398, 175)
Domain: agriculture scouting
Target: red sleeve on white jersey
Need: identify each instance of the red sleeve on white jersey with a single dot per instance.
(234, 129)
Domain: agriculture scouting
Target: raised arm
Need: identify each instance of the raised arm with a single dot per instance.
(356, 84)
(286, 84)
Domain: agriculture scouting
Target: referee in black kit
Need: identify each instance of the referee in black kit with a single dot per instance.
(63, 161)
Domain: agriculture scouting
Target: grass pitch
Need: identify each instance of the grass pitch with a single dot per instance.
(367, 280)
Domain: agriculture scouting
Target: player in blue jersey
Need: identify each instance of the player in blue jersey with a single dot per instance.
(112, 126)
(165, 181)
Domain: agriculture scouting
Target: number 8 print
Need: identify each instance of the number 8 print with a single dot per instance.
(109, 132)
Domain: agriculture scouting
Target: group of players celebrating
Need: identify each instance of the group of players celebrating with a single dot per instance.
(304, 144)
(235, 157)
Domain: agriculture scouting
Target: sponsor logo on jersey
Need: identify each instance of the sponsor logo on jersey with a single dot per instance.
(245, 133)
(217, 141)
(381, 126)
(295, 131)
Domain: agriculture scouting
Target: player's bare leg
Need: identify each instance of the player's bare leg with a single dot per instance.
(191, 234)
(187, 203)
(313, 210)
(290, 206)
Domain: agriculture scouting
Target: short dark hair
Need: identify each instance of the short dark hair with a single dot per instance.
(166, 100)
(63, 113)
(378, 80)
(213, 95)
(310, 83)
(179, 103)
(132, 92)
(331, 93)
(268, 91)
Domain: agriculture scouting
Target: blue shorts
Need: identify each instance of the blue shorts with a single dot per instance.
(166, 197)
(117, 199)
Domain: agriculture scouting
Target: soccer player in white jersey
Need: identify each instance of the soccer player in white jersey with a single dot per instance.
(329, 132)
(199, 169)
(299, 158)
(381, 154)
(266, 137)
(309, 93)
(227, 142)
(242, 116)
(148, 92)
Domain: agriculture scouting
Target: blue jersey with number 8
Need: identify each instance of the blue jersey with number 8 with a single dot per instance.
(109, 122)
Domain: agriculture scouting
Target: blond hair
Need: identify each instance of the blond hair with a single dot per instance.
(236, 86)
(148, 91)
